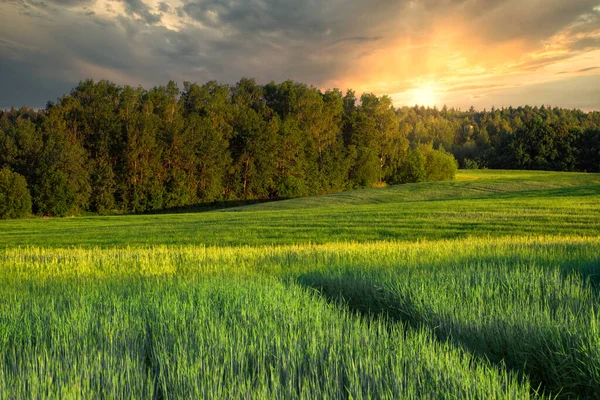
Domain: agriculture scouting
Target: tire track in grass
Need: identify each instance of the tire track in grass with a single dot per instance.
(260, 338)
(559, 360)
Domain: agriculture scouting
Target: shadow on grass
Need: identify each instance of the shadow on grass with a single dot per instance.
(557, 362)
(589, 273)
(490, 193)
(206, 207)
(189, 209)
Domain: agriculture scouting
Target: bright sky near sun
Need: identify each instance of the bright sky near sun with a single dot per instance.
(429, 52)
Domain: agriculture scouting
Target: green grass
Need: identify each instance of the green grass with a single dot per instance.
(479, 203)
(220, 338)
(486, 287)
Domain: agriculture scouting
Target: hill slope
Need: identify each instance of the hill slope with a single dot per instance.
(478, 203)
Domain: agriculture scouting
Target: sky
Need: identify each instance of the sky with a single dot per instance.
(459, 53)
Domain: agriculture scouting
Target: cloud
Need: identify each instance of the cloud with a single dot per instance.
(358, 39)
(587, 89)
(459, 47)
(70, 3)
(22, 84)
(588, 43)
(581, 71)
(588, 69)
(530, 20)
(141, 9)
(164, 7)
(472, 87)
(253, 16)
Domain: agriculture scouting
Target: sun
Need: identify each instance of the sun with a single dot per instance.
(424, 96)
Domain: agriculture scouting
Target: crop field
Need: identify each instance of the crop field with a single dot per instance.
(487, 287)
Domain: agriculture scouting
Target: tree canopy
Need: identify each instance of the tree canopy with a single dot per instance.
(105, 148)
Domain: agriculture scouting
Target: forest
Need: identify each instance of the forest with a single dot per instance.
(105, 148)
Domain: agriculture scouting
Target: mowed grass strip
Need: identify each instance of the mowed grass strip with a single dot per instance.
(479, 203)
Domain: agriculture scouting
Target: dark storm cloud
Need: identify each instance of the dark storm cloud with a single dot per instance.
(48, 5)
(163, 7)
(309, 21)
(95, 44)
(35, 74)
(314, 41)
(142, 10)
(23, 84)
(70, 3)
(259, 15)
(531, 20)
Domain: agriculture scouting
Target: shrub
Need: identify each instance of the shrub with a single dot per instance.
(470, 164)
(15, 199)
(439, 165)
(411, 169)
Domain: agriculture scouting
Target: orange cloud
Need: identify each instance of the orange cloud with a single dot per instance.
(453, 56)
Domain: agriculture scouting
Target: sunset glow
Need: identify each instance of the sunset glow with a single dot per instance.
(458, 53)
(424, 96)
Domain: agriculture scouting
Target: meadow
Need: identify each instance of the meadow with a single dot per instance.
(478, 203)
(485, 287)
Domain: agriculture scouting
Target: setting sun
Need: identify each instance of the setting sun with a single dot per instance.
(425, 96)
(422, 96)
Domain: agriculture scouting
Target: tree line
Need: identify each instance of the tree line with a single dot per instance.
(107, 148)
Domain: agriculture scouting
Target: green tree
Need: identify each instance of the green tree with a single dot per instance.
(410, 169)
(589, 157)
(95, 114)
(53, 194)
(177, 145)
(210, 117)
(21, 145)
(142, 174)
(292, 168)
(255, 141)
(439, 165)
(332, 159)
(365, 160)
(387, 140)
(15, 199)
(104, 184)
(63, 151)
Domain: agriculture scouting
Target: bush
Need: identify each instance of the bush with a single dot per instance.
(439, 165)
(411, 169)
(470, 164)
(15, 199)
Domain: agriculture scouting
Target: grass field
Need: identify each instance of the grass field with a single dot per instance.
(486, 287)
(479, 203)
